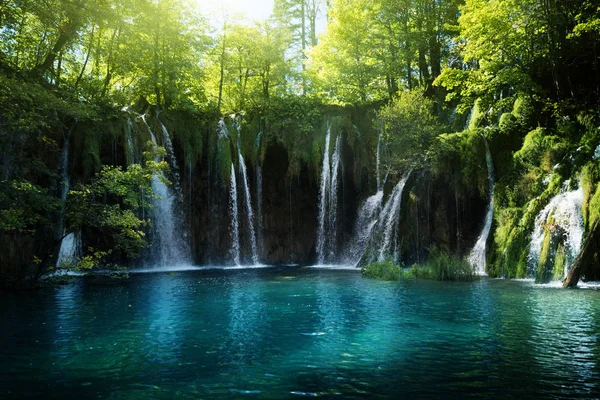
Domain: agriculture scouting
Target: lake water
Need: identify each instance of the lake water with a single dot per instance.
(290, 332)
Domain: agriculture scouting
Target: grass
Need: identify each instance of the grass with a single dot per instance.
(441, 266)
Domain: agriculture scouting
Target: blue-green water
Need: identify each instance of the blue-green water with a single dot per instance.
(290, 332)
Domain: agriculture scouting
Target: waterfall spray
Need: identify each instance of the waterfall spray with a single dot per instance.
(561, 217)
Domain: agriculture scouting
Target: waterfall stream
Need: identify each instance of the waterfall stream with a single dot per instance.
(365, 222)
(376, 228)
(477, 255)
(234, 217)
(562, 219)
(249, 211)
(169, 246)
(327, 234)
(389, 219)
(70, 245)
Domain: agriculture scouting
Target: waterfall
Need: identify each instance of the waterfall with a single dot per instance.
(365, 221)
(328, 202)
(234, 217)
(169, 246)
(70, 245)
(131, 152)
(376, 228)
(477, 255)
(249, 211)
(333, 199)
(325, 171)
(174, 166)
(561, 217)
(70, 248)
(389, 218)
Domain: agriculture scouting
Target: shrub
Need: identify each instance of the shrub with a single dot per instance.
(382, 270)
(448, 267)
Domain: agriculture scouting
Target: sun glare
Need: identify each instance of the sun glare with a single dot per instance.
(250, 10)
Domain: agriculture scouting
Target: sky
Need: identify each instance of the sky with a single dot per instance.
(253, 10)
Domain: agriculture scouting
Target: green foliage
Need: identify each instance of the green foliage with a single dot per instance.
(590, 183)
(110, 207)
(459, 158)
(24, 205)
(410, 127)
(445, 266)
(382, 270)
(296, 123)
(441, 266)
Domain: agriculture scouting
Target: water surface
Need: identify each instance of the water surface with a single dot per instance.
(291, 332)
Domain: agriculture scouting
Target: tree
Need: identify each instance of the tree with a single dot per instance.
(409, 127)
(110, 208)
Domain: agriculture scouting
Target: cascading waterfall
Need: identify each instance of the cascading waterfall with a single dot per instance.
(328, 192)
(562, 217)
(477, 255)
(249, 211)
(234, 217)
(365, 222)
(333, 200)
(169, 244)
(234, 208)
(389, 219)
(325, 171)
(70, 245)
(376, 228)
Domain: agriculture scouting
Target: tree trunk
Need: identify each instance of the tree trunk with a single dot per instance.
(87, 56)
(588, 258)
(67, 32)
(108, 77)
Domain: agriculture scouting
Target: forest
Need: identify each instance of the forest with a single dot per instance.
(345, 199)
(406, 85)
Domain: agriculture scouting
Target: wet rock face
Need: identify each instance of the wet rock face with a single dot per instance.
(289, 211)
(434, 214)
(289, 214)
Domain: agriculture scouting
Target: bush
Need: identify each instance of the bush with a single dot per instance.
(419, 272)
(382, 270)
(448, 267)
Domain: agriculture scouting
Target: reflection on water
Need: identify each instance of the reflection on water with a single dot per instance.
(290, 331)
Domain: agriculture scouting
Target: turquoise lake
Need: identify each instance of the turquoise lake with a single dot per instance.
(291, 332)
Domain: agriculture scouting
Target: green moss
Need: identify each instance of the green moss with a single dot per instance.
(508, 123)
(224, 159)
(477, 115)
(523, 110)
(545, 265)
(560, 259)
